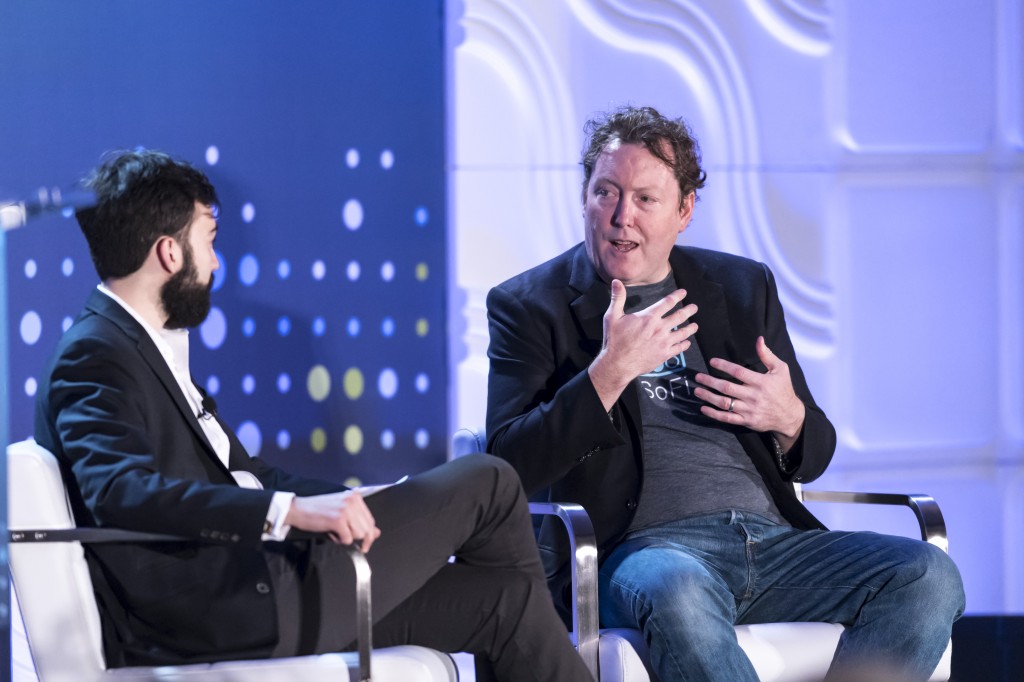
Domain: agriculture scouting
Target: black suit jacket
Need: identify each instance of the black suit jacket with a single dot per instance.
(134, 456)
(545, 418)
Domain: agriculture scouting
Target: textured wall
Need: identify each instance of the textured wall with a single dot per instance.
(871, 152)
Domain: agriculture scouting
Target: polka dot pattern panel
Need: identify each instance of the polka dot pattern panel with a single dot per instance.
(324, 345)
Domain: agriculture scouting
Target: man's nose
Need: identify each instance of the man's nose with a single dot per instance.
(623, 216)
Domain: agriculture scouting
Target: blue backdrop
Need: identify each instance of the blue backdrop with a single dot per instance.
(322, 126)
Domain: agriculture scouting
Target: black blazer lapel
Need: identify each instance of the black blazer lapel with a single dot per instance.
(103, 305)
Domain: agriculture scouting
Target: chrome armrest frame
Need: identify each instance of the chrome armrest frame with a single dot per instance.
(364, 634)
(925, 508)
(583, 569)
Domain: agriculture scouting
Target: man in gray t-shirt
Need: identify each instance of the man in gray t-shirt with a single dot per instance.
(657, 386)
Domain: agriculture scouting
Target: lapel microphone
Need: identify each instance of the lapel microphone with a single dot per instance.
(209, 408)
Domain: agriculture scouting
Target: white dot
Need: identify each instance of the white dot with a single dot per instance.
(31, 327)
(422, 382)
(31, 268)
(422, 438)
(248, 384)
(220, 273)
(67, 267)
(387, 439)
(319, 270)
(213, 329)
(387, 159)
(387, 327)
(251, 438)
(65, 324)
(284, 439)
(353, 326)
(213, 385)
(30, 386)
(387, 383)
(352, 214)
(284, 383)
(284, 268)
(387, 271)
(352, 271)
(248, 212)
(352, 158)
(248, 270)
(212, 155)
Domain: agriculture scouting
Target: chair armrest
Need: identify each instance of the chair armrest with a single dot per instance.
(583, 569)
(364, 630)
(925, 508)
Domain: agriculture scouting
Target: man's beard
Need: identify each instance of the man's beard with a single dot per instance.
(185, 300)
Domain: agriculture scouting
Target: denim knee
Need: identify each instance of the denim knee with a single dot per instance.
(938, 577)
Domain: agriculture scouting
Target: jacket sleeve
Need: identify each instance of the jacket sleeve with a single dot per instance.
(817, 442)
(543, 413)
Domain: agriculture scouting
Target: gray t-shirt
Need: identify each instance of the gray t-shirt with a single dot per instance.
(692, 464)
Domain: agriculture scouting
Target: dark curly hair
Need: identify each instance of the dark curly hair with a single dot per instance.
(668, 139)
(141, 195)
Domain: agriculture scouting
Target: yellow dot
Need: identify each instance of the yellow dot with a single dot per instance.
(318, 383)
(353, 439)
(422, 326)
(352, 482)
(353, 383)
(422, 272)
(318, 440)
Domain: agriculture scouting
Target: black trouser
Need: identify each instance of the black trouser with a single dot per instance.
(492, 602)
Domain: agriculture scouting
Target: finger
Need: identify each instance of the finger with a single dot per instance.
(664, 305)
(720, 415)
(617, 305)
(737, 372)
(720, 401)
(679, 317)
(770, 360)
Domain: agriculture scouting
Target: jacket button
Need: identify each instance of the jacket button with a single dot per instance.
(263, 588)
(630, 505)
(236, 537)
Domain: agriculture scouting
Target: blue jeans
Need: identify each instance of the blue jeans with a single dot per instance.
(687, 583)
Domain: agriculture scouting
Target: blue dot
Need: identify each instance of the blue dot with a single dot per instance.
(249, 434)
(319, 326)
(66, 324)
(422, 216)
(67, 267)
(353, 326)
(212, 384)
(284, 440)
(221, 273)
(248, 384)
(284, 326)
(284, 383)
(248, 326)
(387, 327)
(67, 212)
(422, 438)
(214, 329)
(422, 383)
(387, 439)
(248, 270)
(284, 268)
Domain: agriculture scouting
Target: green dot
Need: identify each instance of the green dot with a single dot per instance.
(353, 439)
(353, 383)
(422, 326)
(318, 440)
(352, 482)
(318, 383)
(422, 272)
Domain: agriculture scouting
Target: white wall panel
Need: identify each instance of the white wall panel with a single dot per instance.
(870, 151)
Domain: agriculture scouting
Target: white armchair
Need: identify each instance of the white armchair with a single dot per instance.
(56, 623)
(779, 652)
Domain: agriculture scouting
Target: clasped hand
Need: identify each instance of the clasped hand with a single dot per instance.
(343, 516)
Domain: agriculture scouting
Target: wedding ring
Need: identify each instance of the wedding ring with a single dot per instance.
(732, 401)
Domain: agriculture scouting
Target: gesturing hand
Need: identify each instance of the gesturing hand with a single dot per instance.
(638, 342)
(343, 516)
(761, 402)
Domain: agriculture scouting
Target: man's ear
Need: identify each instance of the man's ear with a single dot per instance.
(168, 254)
(686, 211)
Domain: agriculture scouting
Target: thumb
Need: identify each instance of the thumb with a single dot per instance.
(770, 360)
(618, 303)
